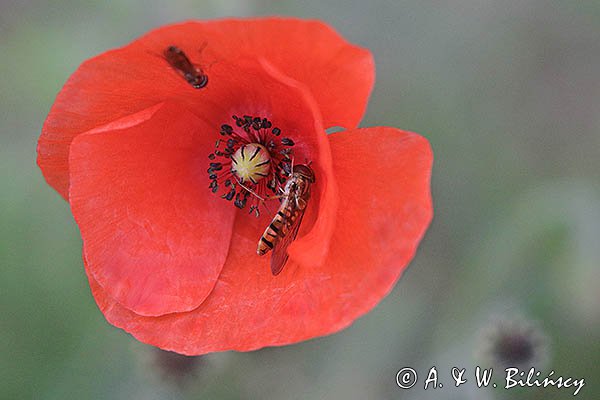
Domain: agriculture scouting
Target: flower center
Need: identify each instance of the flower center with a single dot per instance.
(251, 161)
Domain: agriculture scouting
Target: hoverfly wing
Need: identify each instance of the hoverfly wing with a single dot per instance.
(180, 62)
(279, 256)
(178, 59)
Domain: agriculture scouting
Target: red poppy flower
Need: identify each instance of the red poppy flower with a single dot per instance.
(169, 244)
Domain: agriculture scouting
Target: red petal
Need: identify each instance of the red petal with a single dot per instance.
(383, 177)
(154, 236)
(121, 82)
(312, 244)
(103, 89)
(339, 74)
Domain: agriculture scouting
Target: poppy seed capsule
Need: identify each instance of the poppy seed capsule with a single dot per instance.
(251, 162)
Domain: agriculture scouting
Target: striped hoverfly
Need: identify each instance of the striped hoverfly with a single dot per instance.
(283, 229)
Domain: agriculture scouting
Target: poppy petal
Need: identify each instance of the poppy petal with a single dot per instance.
(384, 177)
(340, 75)
(127, 80)
(105, 88)
(139, 193)
(311, 246)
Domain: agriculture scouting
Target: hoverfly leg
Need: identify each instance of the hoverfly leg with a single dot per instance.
(263, 199)
(267, 207)
(300, 203)
(250, 190)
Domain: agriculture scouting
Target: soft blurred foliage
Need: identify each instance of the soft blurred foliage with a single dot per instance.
(508, 93)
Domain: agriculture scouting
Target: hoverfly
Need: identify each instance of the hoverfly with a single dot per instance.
(179, 61)
(283, 229)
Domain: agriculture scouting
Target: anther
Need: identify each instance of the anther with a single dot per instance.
(216, 166)
(229, 195)
(285, 167)
(255, 209)
(285, 153)
(238, 121)
(226, 129)
(239, 201)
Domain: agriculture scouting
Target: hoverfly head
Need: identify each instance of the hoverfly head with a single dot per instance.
(305, 171)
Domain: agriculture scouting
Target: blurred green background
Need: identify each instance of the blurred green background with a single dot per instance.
(508, 93)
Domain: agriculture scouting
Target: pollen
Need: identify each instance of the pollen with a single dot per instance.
(251, 162)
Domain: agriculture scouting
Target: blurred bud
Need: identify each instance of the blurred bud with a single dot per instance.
(514, 342)
(175, 367)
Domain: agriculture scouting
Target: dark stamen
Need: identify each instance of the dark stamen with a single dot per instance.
(286, 168)
(255, 209)
(229, 195)
(226, 129)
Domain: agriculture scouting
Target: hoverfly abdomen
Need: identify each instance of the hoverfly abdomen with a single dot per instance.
(276, 230)
(283, 229)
